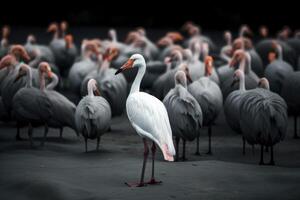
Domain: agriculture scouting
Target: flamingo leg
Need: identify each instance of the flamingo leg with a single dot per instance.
(86, 148)
(253, 149)
(183, 150)
(267, 149)
(272, 157)
(146, 153)
(244, 145)
(261, 155)
(153, 181)
(61, 132)
(45, 134)
(197, 148)
(209, 141)
(30, 130)
(295, 128)
(98, 142)
(18, 137)
(177, 139)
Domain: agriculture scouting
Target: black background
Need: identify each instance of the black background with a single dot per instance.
(212, 17)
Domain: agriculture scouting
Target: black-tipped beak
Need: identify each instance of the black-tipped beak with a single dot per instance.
(127, 65)
(235, 80)
(119, 71)
(18, 77)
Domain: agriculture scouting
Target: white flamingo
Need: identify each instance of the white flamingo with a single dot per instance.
(149, 118)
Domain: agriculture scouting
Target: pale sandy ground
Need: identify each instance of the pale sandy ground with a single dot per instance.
(61, 170)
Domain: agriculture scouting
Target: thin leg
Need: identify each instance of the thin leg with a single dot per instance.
(295, 128)
(177, 139)
(197, 148)
(272, 157)
(86, 148)
(18, 137)
(261, 155)
(209, 141)
(153, 181)
(30, 130)
(244, 145)
(98, 142)
(146, 153)
(61, 132)
(253, 149)
(267, 149)
(45, 134)
(183, 150)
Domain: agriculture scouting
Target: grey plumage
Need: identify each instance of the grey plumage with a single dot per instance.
(263, 117)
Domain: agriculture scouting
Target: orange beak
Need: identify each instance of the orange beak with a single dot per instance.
(127, 65)
(49, 74)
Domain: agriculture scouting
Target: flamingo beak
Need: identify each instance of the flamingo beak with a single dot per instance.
(127, 65)
(97, 92)
(235, 80)
(20, 75)
(188, 77)
(49, 74)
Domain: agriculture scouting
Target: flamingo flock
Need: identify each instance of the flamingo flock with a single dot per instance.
(170, 89)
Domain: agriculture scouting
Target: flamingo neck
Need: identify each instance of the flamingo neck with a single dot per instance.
(196, 55)
(224, 55)
(137, 81)
(42, 81)
(279, 49)
(53, 82)
(29, 77)
(242, 83)
(103, 67)
(90, 90)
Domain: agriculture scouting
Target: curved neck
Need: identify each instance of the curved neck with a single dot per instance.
(279, 49)
(90, 90)
(53, 82)
(29, 77)
(242, 83)
(245, 64)
(42, 81)
(137, 81)
(224, 55)
(103, 67)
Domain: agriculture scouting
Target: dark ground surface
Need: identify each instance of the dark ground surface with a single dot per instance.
(61, 170)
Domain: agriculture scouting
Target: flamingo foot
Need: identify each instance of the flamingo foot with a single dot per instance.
(141, 184)
(154, 182)
(197, 154)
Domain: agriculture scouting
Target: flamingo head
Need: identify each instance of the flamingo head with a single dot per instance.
(5, 31)
(7, 60)
(165, 41)
(208, 62)
(31, 39)
(136, 60)
(44, 67)
(64, 26)
(264, 83)
(69, 40)
(237, 57)
(92, 84)
(174, 36)
(111, 53)
(19, 52)
(52, 28)
(263, 31)
(184, 68)
(22, 71)
(238, 74)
